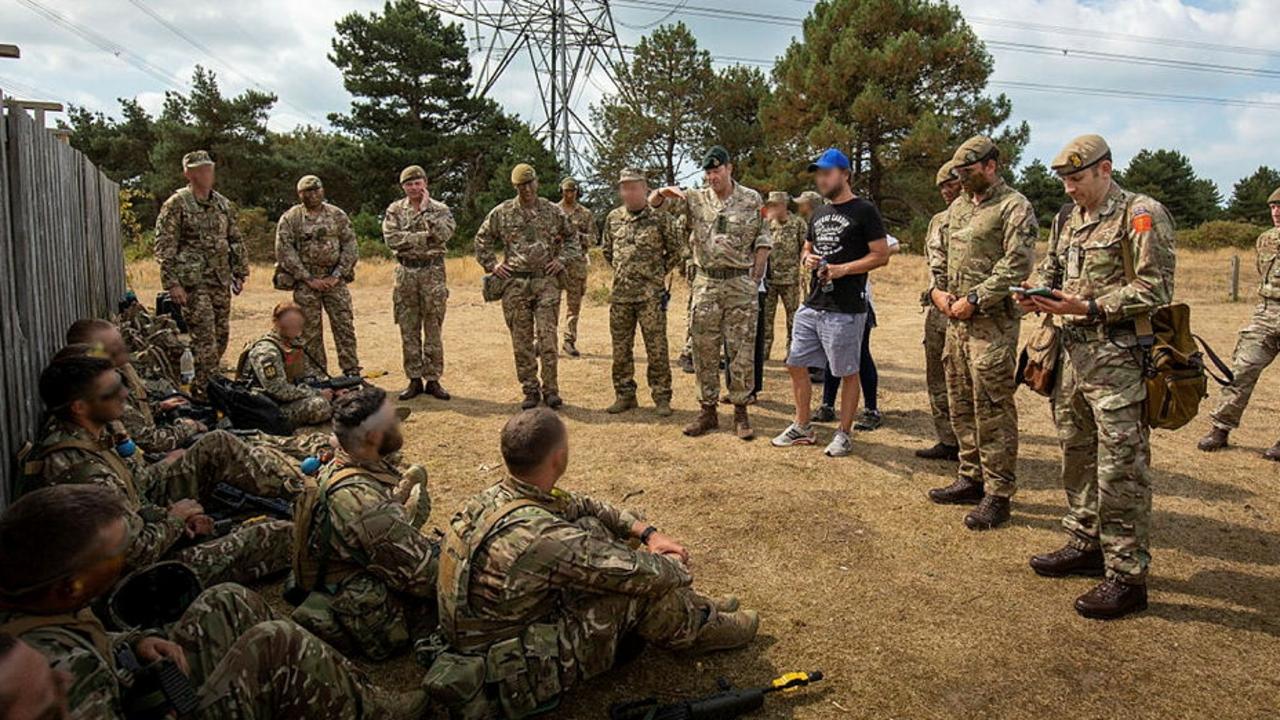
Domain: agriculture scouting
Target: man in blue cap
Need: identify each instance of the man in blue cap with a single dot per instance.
(846, 240)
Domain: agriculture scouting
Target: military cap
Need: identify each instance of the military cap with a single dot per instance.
(1082, 152)
(413, 172)
(196, 158)
(568, 184)
(811, 197)
(945, 173)
(523, 173)
(1275, 197)
(778, 197)
(309, 182)
(715, 157)
(631, 175)
(975, 149)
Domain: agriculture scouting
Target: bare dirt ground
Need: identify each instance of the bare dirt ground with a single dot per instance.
(852, 569)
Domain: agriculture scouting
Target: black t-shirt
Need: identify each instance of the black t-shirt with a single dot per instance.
(842, 233)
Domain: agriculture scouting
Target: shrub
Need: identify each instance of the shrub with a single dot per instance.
(257, 233)
(368, 229)
(1220, 234)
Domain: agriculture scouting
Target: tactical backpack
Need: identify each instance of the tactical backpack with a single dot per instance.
(247, 410)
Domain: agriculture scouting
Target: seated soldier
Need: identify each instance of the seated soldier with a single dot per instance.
(370, 570)
(62, 547)
(531, 571)
(155, 343)
(83, 395)
(276, 362)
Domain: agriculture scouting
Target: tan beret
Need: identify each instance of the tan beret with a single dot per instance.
(778, 197)
(1275, 197)
(568, 184)
(975, 149)
(946, 173)
(523, 173)
(413, 172)
(309, 182)
(196, 158)
(631, 175)
(1082, 152)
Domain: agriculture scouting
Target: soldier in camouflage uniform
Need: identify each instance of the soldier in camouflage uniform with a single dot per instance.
(576, 248)
(228, 641)
(276, 363)
(731, 244)
(788, 232)
(316, 255)
(154, 343)
(552, 588)
(935, 326)
(361, 551)
(417, 228)
(990, 246)
(1100, 387)
(1258, 344)
(84, 394)
(642, 247)
(531, 233)
(202, 262)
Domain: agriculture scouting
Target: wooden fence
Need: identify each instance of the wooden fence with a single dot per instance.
(61, 259)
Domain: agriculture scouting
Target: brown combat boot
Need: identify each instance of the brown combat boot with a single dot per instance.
(961, 492)
(991, 513)
(742, 423)
(1215, 439)
(662, 408)
(436, 390)
(726, 631)
(706, 421)
(1272, 453)
(1069, 560)
(1112, 599)
(552, 399)
(726, 604)
(940, 451)
(531, 401)
(414, 389)
(570, 349)
(621, 405)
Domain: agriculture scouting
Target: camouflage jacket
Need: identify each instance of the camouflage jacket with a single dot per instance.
(370, 529)
(529, 239)
(584, 235)
(316, 246)
(140, 423)
(935, 252)
(418, 235)
(1085, 257)
(520, 571)
(198, 242)
(266, 364)
(723, 234)
(990, 245)
(1269, 264)
(788, 241)
(642, 248)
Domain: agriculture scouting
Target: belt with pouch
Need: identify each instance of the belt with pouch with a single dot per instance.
(429, 262)
(723, 273)
(1096, 332)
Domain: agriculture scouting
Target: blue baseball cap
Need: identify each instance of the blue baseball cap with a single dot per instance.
(830, 158)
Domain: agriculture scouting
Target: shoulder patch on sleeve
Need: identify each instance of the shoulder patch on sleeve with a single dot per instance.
(1142, 220)
(269, 370)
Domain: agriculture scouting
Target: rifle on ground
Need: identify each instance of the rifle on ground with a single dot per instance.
(342, 382)
(724, 705)
(230, 500)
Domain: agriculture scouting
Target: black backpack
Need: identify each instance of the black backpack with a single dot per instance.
(247, 410)
(166, 306)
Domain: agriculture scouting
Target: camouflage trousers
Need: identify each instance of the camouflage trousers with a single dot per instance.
(1256, 348)
(574, 282)
(219, 456)
(980, 360)
(246, 554)
(789, 296)
(336, 303)
(248, 665)
(307, 411)
(1106, 451)
(298, 447)
(687, 349)
(208, 316)
(652, 320)
(531, 307)
(420, 298)
(724, 317)
(935, 377)
(365, 617)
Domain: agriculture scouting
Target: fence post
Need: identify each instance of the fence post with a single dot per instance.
(1235, 278)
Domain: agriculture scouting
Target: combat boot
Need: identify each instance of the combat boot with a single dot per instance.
(1069, 560)
(1273, 452)
(414, 389)
(706, 421)
(686, 363)
(961, 492)
(530, 401)
(991, 513)
(621, 405)
(662, 408)
(1215, 439)
(742, 423)
(553, 400)
(940, 451)
(570, 349)
(726, 604)
(726, 631)
(436, 390)
(1112, 599)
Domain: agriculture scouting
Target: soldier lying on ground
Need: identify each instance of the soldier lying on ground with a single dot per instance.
(277, 363)
(548, 588)
(83, 395)
(62, 547)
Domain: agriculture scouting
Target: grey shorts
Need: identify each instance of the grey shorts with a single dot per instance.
(822, 337)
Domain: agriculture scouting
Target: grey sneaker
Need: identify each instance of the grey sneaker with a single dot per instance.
(824, 413)
(840, 445)
(795, 435)
(869, 421)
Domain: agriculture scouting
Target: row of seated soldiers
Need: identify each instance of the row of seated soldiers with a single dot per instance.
(529, 590)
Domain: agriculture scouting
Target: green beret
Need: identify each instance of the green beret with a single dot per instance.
(568, 184)
(946, 173)
(715, 157)
(1082, 152)
(413, 172)
(975, 149)
(778, 197)
(1275, 197)
(196, 158)
(309, 182)
(631, 175)
(523, 173)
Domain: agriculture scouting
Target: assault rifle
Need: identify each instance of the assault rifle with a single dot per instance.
(341, 382)
(228, 500)
(724, 705)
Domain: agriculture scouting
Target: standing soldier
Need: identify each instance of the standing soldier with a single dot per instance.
(202, 262)
(935, 324)
(730, 250)
(531, 232)
(316, 255)
(1110, 264)
(1259, 341)
(990, 246)
(642, 246)
(576, 247)
(417, 229)
(788, 233)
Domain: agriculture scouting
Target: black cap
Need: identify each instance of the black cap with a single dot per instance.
(715, 157)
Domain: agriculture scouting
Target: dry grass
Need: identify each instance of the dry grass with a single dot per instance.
(852, 569)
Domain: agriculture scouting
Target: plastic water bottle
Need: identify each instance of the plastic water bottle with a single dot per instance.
(311, 465)
(829, 285)
(126, 448)
(187, 369)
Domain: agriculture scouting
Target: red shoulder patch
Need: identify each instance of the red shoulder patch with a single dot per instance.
(1142, 222)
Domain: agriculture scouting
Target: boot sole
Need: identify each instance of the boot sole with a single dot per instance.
(982, 527)
(1085, 572)
(955, 501)
(1094, 615)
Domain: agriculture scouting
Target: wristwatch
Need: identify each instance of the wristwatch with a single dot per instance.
(972, 297)
(1094, 311)
(648, 533)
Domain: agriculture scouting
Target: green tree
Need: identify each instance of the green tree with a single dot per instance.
(735, 97)
(1167, 176)
(327, 155)
(120, 148)
(1043, 188)
(1249, 196)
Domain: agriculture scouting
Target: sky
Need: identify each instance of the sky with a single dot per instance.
(283, 49)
